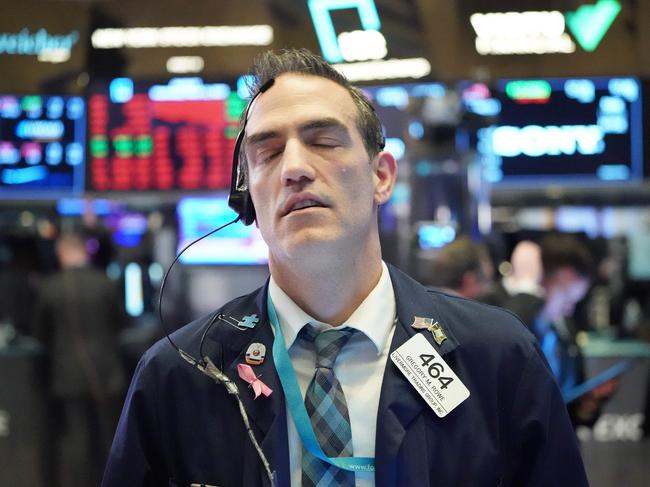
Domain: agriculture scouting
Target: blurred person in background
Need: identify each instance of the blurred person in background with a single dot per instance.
(17, 282)
(77, 317)
(462, 268)
(546, 283)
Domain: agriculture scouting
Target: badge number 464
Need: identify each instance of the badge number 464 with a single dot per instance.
(435, 369)
(430, 375)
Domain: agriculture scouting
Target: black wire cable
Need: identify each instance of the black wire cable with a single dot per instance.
(162, 289)
(204, 364)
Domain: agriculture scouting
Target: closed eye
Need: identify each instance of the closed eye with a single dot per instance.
(329, 143)
(265, 153)
(268, 156)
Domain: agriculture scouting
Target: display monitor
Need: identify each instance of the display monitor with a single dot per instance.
(236, 244)
(565, 131)
(402, 107)
(42, 146)
(174, 135)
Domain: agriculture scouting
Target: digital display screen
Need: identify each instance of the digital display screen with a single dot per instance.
(565, 131)
(177, 135)
(394, 106)
(237, 244)
(42, 145)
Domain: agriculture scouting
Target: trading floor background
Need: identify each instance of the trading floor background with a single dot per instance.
(510, 121)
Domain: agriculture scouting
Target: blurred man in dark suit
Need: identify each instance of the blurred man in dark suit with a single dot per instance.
(77, 317)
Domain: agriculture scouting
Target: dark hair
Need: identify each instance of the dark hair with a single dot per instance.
(271, 64)
(565, 250)
(449, 264)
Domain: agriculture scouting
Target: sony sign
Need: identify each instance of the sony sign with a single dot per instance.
(550, 140)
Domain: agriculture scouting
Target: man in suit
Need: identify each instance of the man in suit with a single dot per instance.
(313, 164)
(547, 282)
(77, 317)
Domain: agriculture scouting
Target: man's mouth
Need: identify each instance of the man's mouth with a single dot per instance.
(305, 204)
(296, 203)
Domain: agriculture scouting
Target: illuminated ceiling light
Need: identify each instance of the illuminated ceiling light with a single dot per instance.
(200, 36)
(385, 69)
(521, 33)
(180, 89)
(590, 23)
(185, 64)
(361, 45)
(54, 56)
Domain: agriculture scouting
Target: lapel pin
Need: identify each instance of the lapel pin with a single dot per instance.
(420, 323)
(246, 373)
(255, 353)
(247, 322)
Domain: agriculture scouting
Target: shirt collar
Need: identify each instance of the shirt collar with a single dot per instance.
(374, 317)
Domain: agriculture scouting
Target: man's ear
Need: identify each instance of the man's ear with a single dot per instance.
(385, 168)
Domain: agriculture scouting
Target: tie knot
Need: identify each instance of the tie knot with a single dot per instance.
(328, 344)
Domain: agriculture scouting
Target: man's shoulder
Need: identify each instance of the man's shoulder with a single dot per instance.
(468, 320)
(479, 321)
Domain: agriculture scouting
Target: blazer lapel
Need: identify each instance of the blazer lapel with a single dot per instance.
(400, 404)
(267, 415)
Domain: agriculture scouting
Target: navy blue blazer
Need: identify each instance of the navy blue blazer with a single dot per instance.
(179, 427)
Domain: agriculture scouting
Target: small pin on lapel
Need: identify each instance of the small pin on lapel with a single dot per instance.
(255, 354)
(249, 321)
(438, 333)
(421, 323)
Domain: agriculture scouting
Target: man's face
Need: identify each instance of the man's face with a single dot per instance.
(564, 290)
(313, 184)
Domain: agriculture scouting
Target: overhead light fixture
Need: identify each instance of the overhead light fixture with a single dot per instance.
(185, 64)
(198, 36)
(54, 56)
(385, 69)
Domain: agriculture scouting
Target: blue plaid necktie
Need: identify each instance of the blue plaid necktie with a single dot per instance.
(328, 411)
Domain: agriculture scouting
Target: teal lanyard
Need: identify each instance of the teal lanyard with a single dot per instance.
(297, 406)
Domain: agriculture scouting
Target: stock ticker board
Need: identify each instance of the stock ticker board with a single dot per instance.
(42, 145)
(177, 135)
(567, 131)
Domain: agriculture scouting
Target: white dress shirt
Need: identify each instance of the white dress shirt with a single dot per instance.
(359, 367)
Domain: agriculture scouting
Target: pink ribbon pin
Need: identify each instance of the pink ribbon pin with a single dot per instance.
(246, 373)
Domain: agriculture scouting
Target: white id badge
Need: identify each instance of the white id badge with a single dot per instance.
(434, 380)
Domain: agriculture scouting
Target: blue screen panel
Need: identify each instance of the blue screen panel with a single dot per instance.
(42, 145)
(236, 244)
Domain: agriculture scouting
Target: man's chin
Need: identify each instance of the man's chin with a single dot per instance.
(310, 242)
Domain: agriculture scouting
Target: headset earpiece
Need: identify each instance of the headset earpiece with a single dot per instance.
(240, 198)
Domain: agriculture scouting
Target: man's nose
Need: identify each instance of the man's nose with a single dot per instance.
(296, 163)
